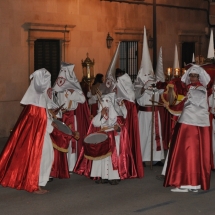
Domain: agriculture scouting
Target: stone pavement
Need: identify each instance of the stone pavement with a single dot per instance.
(81, 196)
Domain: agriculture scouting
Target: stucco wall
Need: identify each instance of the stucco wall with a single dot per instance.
(93, 19)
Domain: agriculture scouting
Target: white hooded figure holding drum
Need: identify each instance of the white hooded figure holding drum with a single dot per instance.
(106, 119)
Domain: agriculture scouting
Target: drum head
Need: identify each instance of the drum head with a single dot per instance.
(95, 138)
(61, 126)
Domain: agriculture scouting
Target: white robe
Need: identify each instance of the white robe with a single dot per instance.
(47, 157)
(145, 122)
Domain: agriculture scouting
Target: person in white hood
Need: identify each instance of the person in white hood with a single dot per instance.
(25, 162)
(70, 95)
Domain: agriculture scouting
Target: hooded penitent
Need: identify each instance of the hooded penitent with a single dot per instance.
(193, 59)
(146, 71)
(159, 69)
(107, 101)
(125, 88)
(67, 79)
(20, 168)
(204, 78)
(110, 74)
(176, 61)
(211, 46)
(40, 82)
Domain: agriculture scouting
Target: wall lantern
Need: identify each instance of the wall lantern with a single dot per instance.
(109, 41)
(88, 69)
(150, 42)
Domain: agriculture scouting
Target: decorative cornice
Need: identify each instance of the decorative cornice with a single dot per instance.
(128, 31)
(47, 27)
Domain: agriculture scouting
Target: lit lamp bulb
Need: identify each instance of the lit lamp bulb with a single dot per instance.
(88, 71)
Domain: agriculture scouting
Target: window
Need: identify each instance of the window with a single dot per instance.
(128, 58)
(47, 55)
(188, 48)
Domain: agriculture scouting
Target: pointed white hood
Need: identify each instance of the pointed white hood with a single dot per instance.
(110, 74)
(211, 46)
(125, 88)
(159, 69)
(67, 79)
(146, 71)
(193, 59)
(176, 61)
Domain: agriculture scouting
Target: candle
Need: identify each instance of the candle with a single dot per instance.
(88, 71)
(168, 71)
(176, 72)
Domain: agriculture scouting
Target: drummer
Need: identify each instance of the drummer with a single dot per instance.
(106, 119)
(69, 95)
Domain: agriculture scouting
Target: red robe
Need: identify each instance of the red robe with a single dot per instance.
(60, 167)
(189, 161)
(125, 163)
(132, 126)
(20, 159)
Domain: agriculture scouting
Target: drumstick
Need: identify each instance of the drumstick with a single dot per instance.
(57, 109)
(105, 128)
(99, 100)
(156, 102)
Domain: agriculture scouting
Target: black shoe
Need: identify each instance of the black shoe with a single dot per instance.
(159, 163)
(98, 181)
(105, 181)
(50, 179)
(113, 182)
(101, 181)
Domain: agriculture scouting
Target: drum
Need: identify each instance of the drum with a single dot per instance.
(96, 146)
(96, 138)
(61, 126)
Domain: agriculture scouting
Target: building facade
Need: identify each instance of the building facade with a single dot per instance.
(81, 26)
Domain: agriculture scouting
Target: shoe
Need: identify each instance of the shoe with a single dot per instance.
(160, 177)
(179, 190)
(113, 182)
(50, 179)
(98, 181)
(159, 163)
(101, 181)
(193, 190)
(105, 181)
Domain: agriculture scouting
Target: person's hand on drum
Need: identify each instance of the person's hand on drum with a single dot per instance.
(76, 135)
(117, 128)
(166, 105)
(54, 125)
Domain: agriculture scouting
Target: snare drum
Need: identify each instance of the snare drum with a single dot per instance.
(96, 146)
(96, 138)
